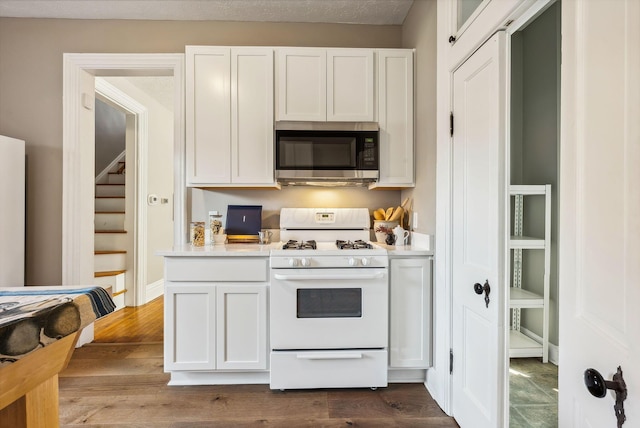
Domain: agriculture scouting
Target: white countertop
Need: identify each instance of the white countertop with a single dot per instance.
(406, 250)
(258, 250)
(224, 250)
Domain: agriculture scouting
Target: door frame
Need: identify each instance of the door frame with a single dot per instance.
(77, 254)
(510, 15)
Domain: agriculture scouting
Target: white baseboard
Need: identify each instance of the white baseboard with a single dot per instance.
(155, 289)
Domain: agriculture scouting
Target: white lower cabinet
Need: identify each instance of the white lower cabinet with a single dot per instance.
(410, 312)
(241, 327)
(211, 326)
(189, 328)
(215, 323)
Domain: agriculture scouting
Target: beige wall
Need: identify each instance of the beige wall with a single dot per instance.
(419, 32)
(31, 92)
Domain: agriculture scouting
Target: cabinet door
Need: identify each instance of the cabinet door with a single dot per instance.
(410, 313)
(242, 326)
(252, 116)
(350, 85)
(189, 326)
(395, 116)
(207, 110)
(302, 84)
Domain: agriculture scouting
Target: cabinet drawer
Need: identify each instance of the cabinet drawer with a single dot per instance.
(354, 368)
(216, 269)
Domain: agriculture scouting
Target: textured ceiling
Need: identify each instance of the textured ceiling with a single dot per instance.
(380, 12)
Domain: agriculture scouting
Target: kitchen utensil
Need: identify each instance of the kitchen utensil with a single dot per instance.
(264, 236)
(382, 228)
(401, 235)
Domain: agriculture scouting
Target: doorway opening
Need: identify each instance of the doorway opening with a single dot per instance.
(533, 268)
(135, 218)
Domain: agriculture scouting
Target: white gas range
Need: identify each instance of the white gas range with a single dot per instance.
(329, 301)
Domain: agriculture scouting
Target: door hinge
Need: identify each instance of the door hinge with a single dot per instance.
(451, 124)
(450, 361)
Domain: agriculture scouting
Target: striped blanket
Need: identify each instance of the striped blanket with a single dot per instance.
(34, 317)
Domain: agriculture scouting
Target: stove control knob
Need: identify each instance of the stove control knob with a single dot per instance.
(353, 262)
(293, 262)
(365, 261)
(305, 262)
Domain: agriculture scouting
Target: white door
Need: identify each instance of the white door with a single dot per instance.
(478, 235)
(599, 208)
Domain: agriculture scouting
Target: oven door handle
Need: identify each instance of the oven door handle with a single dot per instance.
(330, 356)
(321, 277)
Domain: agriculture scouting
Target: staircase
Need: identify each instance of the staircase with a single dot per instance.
(110, 237)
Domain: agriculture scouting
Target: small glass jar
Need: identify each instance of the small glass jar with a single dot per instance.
(196, 233)
(215, 224)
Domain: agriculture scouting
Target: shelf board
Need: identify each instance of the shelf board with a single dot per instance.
(523, 346)
(526, 243)
(519, 298)
(527, 189)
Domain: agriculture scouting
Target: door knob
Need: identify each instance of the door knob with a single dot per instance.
(597, 386)
(479, 289)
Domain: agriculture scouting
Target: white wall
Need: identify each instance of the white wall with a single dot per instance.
(110, 134)
(419, 32)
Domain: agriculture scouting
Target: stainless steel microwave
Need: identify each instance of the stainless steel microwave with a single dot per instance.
(330, 153)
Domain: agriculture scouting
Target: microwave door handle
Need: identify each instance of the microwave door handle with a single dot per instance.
(320, 277)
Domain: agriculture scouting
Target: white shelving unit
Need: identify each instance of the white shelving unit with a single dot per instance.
(523, 343)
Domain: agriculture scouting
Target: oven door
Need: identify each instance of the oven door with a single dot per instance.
(329, 308)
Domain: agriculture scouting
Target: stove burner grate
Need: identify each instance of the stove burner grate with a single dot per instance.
(299, 245)
(356, 245)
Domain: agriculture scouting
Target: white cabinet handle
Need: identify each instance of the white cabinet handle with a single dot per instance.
(325, 277)
(329, 356)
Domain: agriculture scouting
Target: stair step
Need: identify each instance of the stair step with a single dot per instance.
(109, 260)
(110, 252)
(109, 203)
(115, 178)
(105, 241)
(109, 190)
(108, 273)
(111, 231)
(115, 280)
(108, 221)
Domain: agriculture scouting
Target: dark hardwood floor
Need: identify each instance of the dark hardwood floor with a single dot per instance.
(118, 381)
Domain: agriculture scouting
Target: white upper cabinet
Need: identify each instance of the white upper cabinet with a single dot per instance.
(229, 116)
(208, 115)
(302, 84)
(395, 117)
(350, 85)
(316, 84)
(252, 116)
